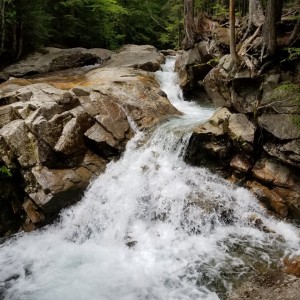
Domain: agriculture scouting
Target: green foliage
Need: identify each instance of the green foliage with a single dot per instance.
(173, 24)
(5, 172)
(220, 11)
(287, 91)
(294, 54)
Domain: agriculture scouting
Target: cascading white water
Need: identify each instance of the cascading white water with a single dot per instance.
(150, 227)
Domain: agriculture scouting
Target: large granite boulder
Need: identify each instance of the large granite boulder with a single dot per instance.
(55, 140)
(52, 59)
(238, 149)
(281, 126)
(193, 65)
(144, 57)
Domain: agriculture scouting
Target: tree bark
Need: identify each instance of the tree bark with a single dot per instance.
(279, 6)
(256, 16)
(233, 53)
(269, 30)
(189, 25)
(2, 5)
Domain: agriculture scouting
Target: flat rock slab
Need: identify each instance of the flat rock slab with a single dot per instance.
(53, 59)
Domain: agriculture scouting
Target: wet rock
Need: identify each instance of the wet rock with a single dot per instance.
(269, 197)
(136, 91)
(292, 200)
(274, 285)
(33, 212)
(276, 174)
(53, 189)
(292, 266)
(209, 142)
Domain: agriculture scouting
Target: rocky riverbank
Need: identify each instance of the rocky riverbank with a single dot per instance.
(253, 139)
(59, 130)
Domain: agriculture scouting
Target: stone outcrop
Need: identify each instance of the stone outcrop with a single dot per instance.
(193, 65)
(255, 134)
(143, 57)
(51, 59)
(234, 145)
(54, 140)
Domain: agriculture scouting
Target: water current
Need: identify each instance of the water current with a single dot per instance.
(150, 228)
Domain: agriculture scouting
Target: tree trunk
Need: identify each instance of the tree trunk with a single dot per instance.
(189, 26)
(256, 16)
(269, 30)
(2, 5)
(233, 53)
(279, 6)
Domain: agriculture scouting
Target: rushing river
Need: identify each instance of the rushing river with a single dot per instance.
(149, 228)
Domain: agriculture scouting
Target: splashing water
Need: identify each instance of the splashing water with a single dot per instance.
(150, 227)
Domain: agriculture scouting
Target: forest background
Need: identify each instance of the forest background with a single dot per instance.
(29, 25)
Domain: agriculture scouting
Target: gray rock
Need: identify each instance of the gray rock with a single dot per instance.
(215, 84)
(53, 59)
(245, 94)
(281, 126)
(241, 128)
(22, 143)
(192, 66)
(144, 57)
(288, 152)
(271, 198)
(220, 116)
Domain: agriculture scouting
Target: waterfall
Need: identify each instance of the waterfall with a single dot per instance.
(150, 227)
